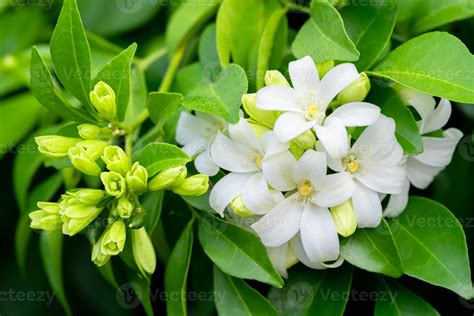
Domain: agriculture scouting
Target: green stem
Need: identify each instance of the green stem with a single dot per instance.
(129, 144)
(293, 6)
(145, 63)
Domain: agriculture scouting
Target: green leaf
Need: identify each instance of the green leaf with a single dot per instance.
(432, 246)
(51, 244)
(222, 98)
(107, 273)
(418, 64)
(208, 47)
(323, 36)
(157, 157)
(370, 28)
(407, 132)
(153, 205)
(235, 297)
(399, 301)
(138, 288)
(116, 73)
(176, 273)
(311, 292)
(19, 114)
(236, 251)
(71, 54)
(49, 95)
(200, 202)
(162, 105)
(187, 20)
(373, 250)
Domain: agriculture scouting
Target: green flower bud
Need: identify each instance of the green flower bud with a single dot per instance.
(87, 196)
(114, 183)
(89, 131)
(137, 178)
(83, 162)
(275, 78)
(291, 258)
(356, 91)
(344, 218)
(143, 251)
(47, 218)
(193, 186)
(77, 217)
(116, 160)
(103, 99)
(168, 178)
(124, 207)
(239, 207)
(264, 117)
(93, 147)
(98, 257)
(323, 68)
(114, 239)
(55, 146)
(137, 221)
(305, 141)
(296, 150)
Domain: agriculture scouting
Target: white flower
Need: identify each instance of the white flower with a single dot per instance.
(195, 133)
(437, 151)
(306, 212)
(305, 105)
(254, 163)
(374, 163)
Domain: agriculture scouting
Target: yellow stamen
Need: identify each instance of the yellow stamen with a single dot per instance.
(305, 188)
(259, 160)
(352, 163)
(311, 112)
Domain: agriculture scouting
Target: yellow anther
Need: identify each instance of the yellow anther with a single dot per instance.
(351, 163)
(305, 188)
(311, 112)
(259, 160)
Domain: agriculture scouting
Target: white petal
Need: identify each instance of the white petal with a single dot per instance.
(357, 114)
(204, 164)
(227, 189)
(278, 170)
(278, 98)
(191, 129)
(304, 76)
(278, 257)
(300, 253)
(424, 104)
(367, 207)
(196, 147)
(333, 136)
(312, 166)
(232, 156)
(334, 190)
(437, 151)
(334, 82)
(319, 234)
(397, 202)
(257, 196)
(420, 174)
(243, 134)
(281, 223)
(271, 145)
(213, 120)
(334, 164)
(439, 117)
(290, 125)
(381, 178)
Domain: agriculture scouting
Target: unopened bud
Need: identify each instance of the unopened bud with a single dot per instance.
(47, 218)
(124, 207)
(93, 147)
(55, 146)
(137, 178)
(103, 99)
(89, 131)
(193, 186)
(323, 68)
(78, 217)
(275, 78)
(344, 218)
(143, 251)
(356, 91)
(137, 221)
(239, 207)
(88, 196)
(305, 141)
(114, 239)
(168, 178)
(296, 150)
(98, 257)
(114, 183)
(264, 117)
(116, 160)
(291, 258)
(83, 162)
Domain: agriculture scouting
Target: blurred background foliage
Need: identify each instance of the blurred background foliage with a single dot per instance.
(112, 26)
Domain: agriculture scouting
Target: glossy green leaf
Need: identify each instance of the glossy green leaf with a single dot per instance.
(137, 289)
(400, 301)
(432, 246)
(176, 273)
(373, 250)
(160, 156)
(49, 95)
(236, 251)
(235, 297)
(51, 244)
(323, 36)
(418, 64)
(71, 54)
(310, 292)
(370, 28)
(162, 105)
(107, 273)
(153, 205)
(208, 47)
(116, 73)
(222, 98)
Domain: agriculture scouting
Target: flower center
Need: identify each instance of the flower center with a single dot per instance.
(305, 188)
(351, 163)
(259, 160)
(311, 112)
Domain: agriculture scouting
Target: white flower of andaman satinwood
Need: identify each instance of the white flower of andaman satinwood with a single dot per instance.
(437, 151)
(374, 163)
(254, 164)
(306, 103)
(305, 214)
(195, 133)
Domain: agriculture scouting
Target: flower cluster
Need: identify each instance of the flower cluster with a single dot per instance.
(313, 161)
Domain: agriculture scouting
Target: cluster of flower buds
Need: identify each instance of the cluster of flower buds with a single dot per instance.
(176, 180)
